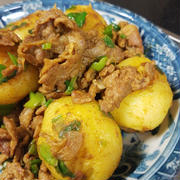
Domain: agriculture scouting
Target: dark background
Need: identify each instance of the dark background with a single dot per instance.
(164, 13)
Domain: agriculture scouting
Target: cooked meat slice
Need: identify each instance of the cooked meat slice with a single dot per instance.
(8, 38)
(11, 128)
(25, 117)
(44, 173)
(5, 139)
(89, 75)
(107, 70)
(14, 171)
(36, 125)
(116, 90)
(122, 82)
(81, 97)
(40, 110)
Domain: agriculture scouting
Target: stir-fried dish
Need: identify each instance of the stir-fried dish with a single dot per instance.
(68, 83)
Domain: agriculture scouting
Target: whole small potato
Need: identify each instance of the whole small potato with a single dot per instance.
(144, 109)
(101, 147)
(94, 21)
(17, 87)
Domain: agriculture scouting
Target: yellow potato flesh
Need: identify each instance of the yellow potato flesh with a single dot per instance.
(144, 109)
(101, 150)
(94, 21)
(29, 21)
(20, 85)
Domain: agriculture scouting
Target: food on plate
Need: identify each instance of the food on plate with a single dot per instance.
(145, 109)
(81, 137)
(83, 77)
(14, 85)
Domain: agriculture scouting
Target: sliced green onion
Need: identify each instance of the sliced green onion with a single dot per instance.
(62, 168)
(46, 46)
(73, 126)
(45, 153)
(115, 27)
(70, 87)
(9, 25)
(48, 102)
(3, 126)
(35, 100)
(98, 66)
(32, 150)
(72, 7)
(55, 119)
(18, 26)
(79, 18)
(2, 67)
(13, 58)
(34, 166)
(108, 41)
(108, 31)
(123, 36)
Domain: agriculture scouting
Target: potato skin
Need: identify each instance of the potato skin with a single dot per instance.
(94, 21)
(20, 85)
(144, 109)
(102, 142)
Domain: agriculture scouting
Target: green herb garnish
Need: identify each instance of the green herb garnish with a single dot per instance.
(98, 66)
(34, 166)
(73, 126)
(56, 118)
(79, 18)
(108, 41)
(70, 85)
(32, 150)
(108, 31)
(46, 46)
(18, 26)
(62, 168)
(35, 100)
(123, 36)
(72, 7)
(13, 58)
(48, 102)
(45, 153)
(116, 27)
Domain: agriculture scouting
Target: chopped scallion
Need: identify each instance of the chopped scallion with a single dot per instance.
(108, 31)
(30, 31)
(62, 168)
(70, 87)
(46, 46)
(35, 100)
(98, 66)
(79, 18)
(18, 26)
(56, 118)
(123, 36)
(34, 166)
(45, 153)
(73, 126)
(108, 41)
(32, 150)
(115, 27)
(13, 58)
(48, 102)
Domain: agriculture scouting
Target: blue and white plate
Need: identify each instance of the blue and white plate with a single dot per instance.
(145, 156)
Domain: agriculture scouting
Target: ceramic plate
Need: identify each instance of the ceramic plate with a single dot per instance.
(148, 156)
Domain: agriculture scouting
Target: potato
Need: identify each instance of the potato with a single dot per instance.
(94, 21)
(20, 85)
(144, 109)
(101, 150)
(24, 26)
